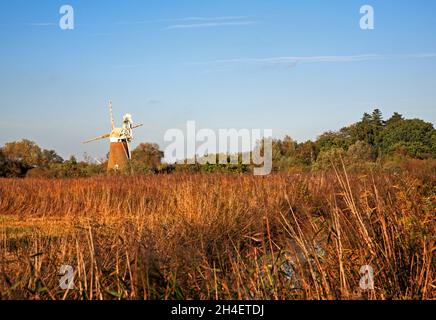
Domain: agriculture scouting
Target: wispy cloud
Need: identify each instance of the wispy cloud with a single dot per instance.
(209, 25)
(184, 19)
(223, 18)
(128, 23)
(292, 61)
(196, 22)
(41, 24)
(303, 59)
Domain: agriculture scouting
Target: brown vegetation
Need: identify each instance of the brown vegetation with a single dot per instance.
(220, 236)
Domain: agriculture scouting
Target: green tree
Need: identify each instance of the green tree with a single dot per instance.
(369, 128)
(27, 152)
(361, 151)
(307, 153)
(9, 168)
(377, 119)
(147, 156)
(331, 139)
(329, 158)
(49, 157)
(394, 118)
(30, 155)
(3, 164)
(288, 146)
(415, 136)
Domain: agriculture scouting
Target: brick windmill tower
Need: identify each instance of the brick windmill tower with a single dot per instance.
(120, 138)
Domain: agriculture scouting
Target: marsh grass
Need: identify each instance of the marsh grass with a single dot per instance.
(218, 236)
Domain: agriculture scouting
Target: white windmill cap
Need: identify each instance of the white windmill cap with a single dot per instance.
(127, 117)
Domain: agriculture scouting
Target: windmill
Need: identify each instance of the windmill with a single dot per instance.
(120, 138)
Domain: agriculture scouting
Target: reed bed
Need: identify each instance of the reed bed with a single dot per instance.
(218, 236)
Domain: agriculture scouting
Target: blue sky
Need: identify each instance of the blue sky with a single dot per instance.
(297, 67)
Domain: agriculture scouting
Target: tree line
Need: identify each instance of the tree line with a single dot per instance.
(26, 159)
(372, 140)
(369, 142)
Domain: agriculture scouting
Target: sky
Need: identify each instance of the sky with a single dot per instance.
(297, 67)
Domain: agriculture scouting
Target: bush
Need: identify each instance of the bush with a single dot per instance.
(329, 158)
(361, 151)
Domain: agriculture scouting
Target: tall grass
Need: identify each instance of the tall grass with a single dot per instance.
(217, 236)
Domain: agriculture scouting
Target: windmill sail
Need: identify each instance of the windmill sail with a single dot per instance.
(120, 138)
(111, 115)
(107, 135)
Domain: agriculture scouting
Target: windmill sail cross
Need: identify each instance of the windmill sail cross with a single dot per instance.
(120, 138)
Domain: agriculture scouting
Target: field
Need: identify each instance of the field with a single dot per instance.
(220, 236)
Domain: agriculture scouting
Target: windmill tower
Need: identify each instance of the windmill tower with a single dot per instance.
(120, 138)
